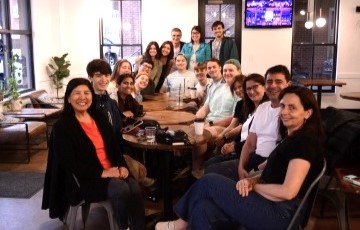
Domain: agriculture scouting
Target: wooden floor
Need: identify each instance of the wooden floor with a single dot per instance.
(13, 216)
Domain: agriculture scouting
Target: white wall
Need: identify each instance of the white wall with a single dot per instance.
(62, 26)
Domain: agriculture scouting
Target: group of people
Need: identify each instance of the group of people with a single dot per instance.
(256, 123)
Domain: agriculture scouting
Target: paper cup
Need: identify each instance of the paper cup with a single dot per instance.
(199, 126)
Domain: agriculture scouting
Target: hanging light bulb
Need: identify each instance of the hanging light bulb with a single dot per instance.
(320, 22)
(308, 24)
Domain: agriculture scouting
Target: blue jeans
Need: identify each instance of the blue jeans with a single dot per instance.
(229, 168)
(214, 201)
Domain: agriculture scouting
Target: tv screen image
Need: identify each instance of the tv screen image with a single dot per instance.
(268, 13)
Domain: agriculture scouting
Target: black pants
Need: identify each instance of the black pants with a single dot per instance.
(127, 203)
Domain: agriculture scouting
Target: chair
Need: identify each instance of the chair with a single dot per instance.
(85, 208)
(300, 221)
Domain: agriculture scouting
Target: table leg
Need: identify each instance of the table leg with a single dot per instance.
(167, 187)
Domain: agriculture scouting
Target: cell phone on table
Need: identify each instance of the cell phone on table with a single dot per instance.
(352, 179)
(131, 127)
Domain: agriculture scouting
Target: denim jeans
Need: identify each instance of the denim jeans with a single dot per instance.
(214, 201)
(229, 168)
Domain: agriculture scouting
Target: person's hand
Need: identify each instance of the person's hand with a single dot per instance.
(242, 173)
(244, 186)
(124, 172)
(112, 172)
(128, 114)
(219, 140)
(228, 148)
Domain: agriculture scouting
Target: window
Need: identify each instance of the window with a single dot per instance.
(16, 38)
(227, 11)
(314, 50)
(121, 31)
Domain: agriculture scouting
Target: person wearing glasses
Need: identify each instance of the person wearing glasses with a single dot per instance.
(197, 50)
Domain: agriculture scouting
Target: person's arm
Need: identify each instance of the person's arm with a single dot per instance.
(249, 147)
(233, 125)
(295, 176)
(234, 51)
(207, 52)
(164, 87)
(223, 122)
(203, 111)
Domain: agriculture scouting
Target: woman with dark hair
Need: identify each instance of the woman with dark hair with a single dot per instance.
(86, 148)
(128, 106)
(167, 61)
(121, 67)
(197, 50)
(269, 200)
(153, 53)
(234, 136)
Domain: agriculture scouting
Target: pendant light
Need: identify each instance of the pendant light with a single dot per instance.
(320, 22)
(308, 24)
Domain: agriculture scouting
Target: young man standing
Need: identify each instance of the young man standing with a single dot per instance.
(222, 48)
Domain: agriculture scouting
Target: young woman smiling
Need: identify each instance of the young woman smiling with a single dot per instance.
(167, 61)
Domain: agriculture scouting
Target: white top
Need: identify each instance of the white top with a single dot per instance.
(265, 126)
(245, 127)
(176, 80)
(200, 90)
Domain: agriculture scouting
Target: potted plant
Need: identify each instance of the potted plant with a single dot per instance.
(2, 91)
(14, 102)
(59, 68)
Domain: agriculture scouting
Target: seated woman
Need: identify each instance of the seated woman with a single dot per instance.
(128, 106)
(167, 61)
(141, 82)
(86, 147)
(180, 80)
(269, 200)
(121, 67)
(254, 85)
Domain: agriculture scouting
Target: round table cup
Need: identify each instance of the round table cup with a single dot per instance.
(150, 133)
(199, 127)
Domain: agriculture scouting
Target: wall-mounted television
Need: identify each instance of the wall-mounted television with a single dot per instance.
(268, 13)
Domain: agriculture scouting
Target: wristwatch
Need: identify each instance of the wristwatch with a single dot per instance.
(211, 123)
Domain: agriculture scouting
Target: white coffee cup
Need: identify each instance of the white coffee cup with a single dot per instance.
(199, 126)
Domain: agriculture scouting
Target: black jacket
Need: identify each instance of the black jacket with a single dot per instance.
(228, 50)
(73, 153)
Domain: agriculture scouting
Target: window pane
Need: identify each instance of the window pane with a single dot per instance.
(323, 62)
(212, 14)
(228, 18)
(131, 26)
(20, 46)
(131, 52)
(325, 34)
(19, 15)
(112, 23)
(301, 62)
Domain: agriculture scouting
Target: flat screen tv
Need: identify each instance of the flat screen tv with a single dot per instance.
(268, 13)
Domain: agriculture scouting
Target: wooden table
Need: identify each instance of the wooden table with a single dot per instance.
(168, 159)
(156, 97)
(34, 113)
(355, 96)
(163, 105)
(320, 83)
(170, 117)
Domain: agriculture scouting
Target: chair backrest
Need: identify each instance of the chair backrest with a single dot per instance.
(301, 220)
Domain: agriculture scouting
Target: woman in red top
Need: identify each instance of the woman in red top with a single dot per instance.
(87, 148)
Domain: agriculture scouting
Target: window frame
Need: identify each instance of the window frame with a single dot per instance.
(7, 33)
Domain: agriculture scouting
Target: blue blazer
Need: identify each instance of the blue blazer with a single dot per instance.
(202, 54)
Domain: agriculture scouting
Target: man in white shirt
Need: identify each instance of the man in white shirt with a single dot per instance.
(263, 133)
